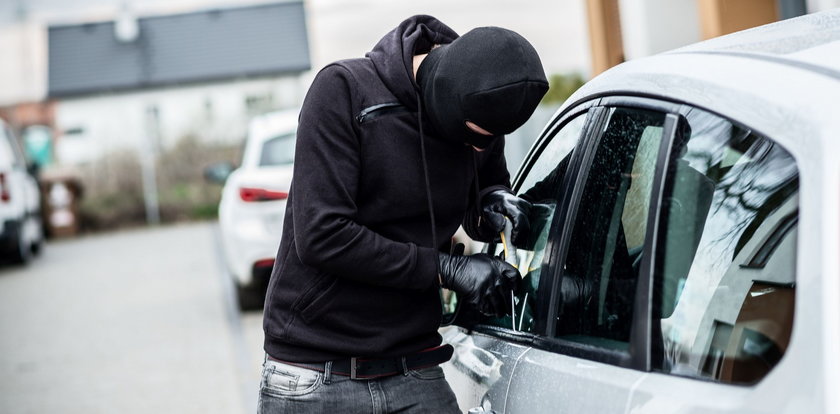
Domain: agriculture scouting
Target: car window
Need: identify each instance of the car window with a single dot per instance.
(598, 284)
(278, 151)
(541, 184)
(725, 273)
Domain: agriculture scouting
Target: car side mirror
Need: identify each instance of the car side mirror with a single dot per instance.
(218, 172)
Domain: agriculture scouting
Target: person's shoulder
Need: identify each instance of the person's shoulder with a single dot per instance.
(358, 74)
(359, 68)
(346, 66)
(334, 75)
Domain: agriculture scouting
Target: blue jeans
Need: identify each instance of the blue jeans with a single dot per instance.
(289, 389)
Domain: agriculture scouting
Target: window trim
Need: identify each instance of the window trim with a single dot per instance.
(557, 244)
(549, 132)
(548, 266)
(638, 354)
(641, 333)
(567, 208)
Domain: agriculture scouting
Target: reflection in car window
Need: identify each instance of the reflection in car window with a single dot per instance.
(278, 151)
(604, 255)
(542, 184)
(725, 277)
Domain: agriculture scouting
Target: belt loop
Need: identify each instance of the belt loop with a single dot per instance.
(405, 366)
(353, 368)
(328, 373)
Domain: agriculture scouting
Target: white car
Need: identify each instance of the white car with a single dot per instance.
(683, 255)
(21, 230)
(253, 204)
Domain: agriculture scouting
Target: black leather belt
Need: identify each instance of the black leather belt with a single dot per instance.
(369, 368)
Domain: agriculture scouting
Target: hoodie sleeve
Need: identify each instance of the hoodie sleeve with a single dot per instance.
(326, 176)
(492, 175)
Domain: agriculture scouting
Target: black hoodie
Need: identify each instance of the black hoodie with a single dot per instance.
(356, 272)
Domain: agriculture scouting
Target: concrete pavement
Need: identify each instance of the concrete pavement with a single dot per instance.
(136, 321)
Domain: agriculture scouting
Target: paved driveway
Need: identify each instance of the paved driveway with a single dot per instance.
(138, 321)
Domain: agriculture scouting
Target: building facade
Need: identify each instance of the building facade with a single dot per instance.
(146, 83)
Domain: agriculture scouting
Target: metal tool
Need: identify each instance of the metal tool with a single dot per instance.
(512, 259)
(507, 244)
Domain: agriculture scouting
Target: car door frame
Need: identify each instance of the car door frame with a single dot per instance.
(637, 359)
(639, 354)
(582, 155)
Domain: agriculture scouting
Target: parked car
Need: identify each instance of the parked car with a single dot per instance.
(253, 204)
(684, 248)
(22, 232)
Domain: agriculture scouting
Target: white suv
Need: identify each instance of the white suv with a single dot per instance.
(21, 231)
(253, 204)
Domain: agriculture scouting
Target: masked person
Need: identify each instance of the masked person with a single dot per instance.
(394, 151)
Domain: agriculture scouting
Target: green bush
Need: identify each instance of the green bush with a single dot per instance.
(560, 87)
(113, 188)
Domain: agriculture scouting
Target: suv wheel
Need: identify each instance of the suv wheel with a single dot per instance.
(37, 247)
(250, 297)
(22, 251)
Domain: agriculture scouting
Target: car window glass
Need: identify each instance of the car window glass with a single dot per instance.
(278, 151)
(725, 274)
(604, 255)
(541, 186)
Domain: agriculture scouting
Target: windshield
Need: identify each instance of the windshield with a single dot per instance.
(278, 151)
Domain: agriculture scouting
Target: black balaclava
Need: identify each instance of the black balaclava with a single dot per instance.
(490, 76)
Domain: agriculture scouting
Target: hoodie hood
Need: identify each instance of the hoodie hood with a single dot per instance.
(393, 56)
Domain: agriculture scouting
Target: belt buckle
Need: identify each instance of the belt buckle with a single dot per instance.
(353, 368)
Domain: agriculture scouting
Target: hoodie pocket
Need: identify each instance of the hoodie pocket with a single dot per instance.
(319, 302)
(372, 112)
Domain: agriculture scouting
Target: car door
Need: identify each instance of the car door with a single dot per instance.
(591, 354)
(486, 349)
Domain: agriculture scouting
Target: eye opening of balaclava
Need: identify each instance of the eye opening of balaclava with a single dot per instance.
(490, 76)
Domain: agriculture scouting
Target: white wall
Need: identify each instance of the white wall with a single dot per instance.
(347, 29)
(215, 113)
(652, 26)
(820, 5)
(23, 73)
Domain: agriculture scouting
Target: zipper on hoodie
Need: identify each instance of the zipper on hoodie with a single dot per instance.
(375, 111)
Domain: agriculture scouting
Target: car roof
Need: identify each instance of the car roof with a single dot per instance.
(265, 127)
(810, 42)
(273, 124)
(781, 80)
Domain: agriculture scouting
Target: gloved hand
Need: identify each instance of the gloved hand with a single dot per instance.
(482, 281)
(497, 205)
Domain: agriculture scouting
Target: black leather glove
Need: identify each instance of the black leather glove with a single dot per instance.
(482, 280)
(497, 205)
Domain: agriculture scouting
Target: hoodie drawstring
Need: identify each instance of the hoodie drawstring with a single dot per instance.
(476, 187)
(426, 172)
(477, 200)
